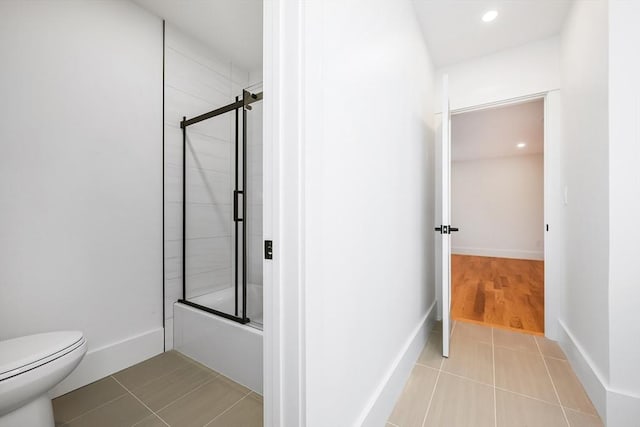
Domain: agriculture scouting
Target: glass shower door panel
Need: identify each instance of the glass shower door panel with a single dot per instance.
(209, 197)
(255, 238)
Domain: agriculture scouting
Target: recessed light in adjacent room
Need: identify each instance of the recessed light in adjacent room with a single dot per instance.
(490, 16)
(521, 145)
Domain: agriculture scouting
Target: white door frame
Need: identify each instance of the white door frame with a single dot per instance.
(554, 238)
(283, 220)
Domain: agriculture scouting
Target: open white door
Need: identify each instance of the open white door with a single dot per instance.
(443, 216)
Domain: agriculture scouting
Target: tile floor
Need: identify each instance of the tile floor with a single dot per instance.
(493, 378)
(167, 390)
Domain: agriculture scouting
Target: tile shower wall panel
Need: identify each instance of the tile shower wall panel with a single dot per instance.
(196, 81)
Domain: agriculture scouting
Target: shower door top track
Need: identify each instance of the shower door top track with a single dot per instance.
(248, 98)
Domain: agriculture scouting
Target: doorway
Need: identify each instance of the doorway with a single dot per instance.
(497, 202)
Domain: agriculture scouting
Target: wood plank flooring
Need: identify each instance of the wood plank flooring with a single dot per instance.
(502, 292)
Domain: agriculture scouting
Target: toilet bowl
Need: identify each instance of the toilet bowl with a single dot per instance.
(30, 366)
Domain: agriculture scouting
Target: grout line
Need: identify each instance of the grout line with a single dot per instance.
(527, 396)
(465, 378)
(190, 57)
(392, 424)
(199, 98)
(143, 404)
(435, 386)
(536, 351)
(164, 374)
(157, 417)
(553, 385)
(493, 363)
(227, 410)
(433, 393)
(97, 407)
(188, 393)
(427, 366)
(125, 390)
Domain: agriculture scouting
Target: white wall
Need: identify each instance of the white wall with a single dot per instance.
(368, 203)
(198, 80)
(497, 204)
(512, 73)
(81, 177)
(624, 210)
(586, 167)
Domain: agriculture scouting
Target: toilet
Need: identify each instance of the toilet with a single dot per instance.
(30, 366)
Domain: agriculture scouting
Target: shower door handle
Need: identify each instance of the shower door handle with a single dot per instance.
(236, 193)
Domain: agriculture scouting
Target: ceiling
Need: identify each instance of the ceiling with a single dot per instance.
(455, 32)
(232, 28)
(453, 29)
(494, 132)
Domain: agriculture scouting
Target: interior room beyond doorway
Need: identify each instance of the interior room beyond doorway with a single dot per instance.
(497, 202)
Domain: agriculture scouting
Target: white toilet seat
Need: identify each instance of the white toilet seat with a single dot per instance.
(31, 366)
(23, 354)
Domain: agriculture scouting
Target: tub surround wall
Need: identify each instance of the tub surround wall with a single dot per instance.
(81, 178)
(198, 80)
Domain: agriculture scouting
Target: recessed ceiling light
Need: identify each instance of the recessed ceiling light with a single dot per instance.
(521, 145)
(490, 16)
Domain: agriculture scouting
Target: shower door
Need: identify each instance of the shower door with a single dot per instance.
(214, 244)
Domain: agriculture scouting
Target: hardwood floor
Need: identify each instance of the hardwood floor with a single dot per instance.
(498, 291)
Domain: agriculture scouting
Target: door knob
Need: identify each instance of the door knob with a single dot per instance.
(446, 229)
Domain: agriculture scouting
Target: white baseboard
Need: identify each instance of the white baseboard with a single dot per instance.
(380, 405)
(499, 253)
(623, 409)
(618, 408)
(591, 378)
(103, 361)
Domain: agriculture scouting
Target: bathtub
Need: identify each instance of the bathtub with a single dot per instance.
(228, 347)
(223, 300)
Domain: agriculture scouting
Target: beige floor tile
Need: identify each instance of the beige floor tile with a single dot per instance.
(247, 413)
(414, 400)
(550, 348)
(437, 327)
(124, 411)
(470, 359)
(518, 411)
(579, 419)
(166, 389)
(432, 352)
(570, 391)
(472, 331)
(84, 399)
(149, 370)
(257, 397)
(461, 403)
(150, 421)
(514, 340)
(524, 373)
(204, 404)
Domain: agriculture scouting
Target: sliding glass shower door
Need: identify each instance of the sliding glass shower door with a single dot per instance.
(215, 209)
